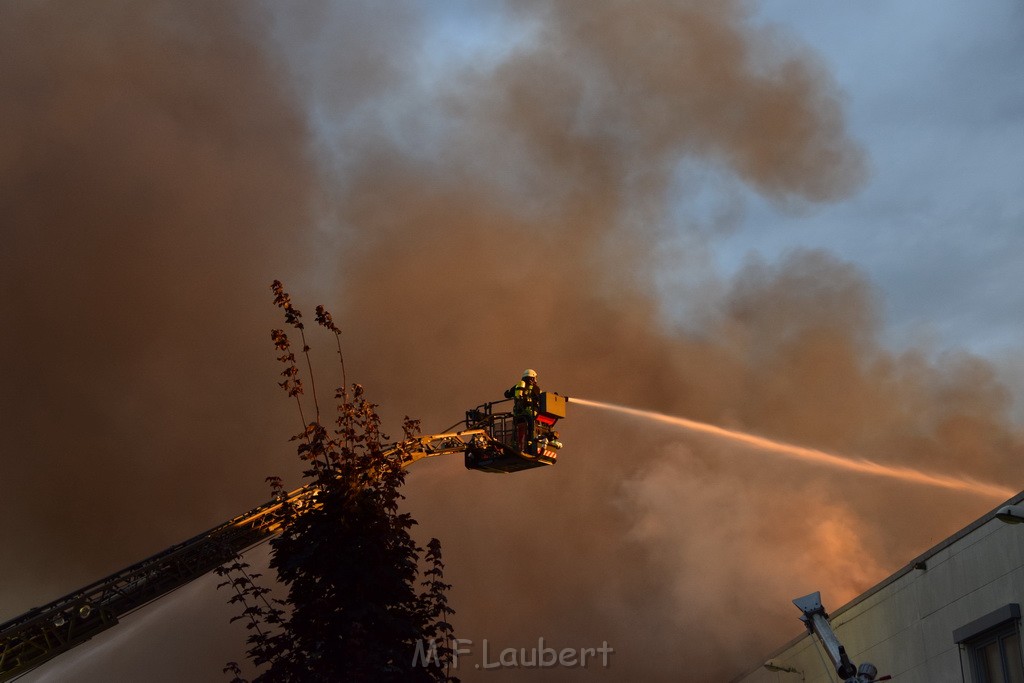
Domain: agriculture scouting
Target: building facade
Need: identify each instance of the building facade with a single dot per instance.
(952, 615)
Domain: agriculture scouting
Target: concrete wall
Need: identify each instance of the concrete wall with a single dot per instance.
(905, 625)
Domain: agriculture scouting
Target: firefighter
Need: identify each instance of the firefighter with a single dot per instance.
(526, 394)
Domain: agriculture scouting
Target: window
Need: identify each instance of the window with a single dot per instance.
(991, 646)
(996, 659)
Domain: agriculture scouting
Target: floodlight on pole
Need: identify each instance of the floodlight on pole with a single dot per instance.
(816, 620)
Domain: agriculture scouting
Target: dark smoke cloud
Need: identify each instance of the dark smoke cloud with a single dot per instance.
(152, 176)
(155, 179)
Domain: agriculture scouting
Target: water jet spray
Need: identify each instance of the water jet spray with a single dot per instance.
(812, 455)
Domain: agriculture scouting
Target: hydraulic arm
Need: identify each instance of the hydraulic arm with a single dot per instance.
(44, 632)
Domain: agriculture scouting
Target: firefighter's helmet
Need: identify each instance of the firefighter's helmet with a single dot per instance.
(529, 374)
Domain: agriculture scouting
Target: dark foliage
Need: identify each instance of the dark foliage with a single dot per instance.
(356, 608)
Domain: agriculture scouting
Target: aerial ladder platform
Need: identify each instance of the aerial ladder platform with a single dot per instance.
(489, 444)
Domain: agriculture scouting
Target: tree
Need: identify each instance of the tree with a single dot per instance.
(353, 611)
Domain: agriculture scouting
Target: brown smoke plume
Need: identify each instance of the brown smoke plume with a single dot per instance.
(156, 173)
(151, 172)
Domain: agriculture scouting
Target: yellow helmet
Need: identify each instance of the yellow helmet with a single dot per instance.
(532, 374)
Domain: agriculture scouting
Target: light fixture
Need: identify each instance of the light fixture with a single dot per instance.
(1011, 514)
(773, 666)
